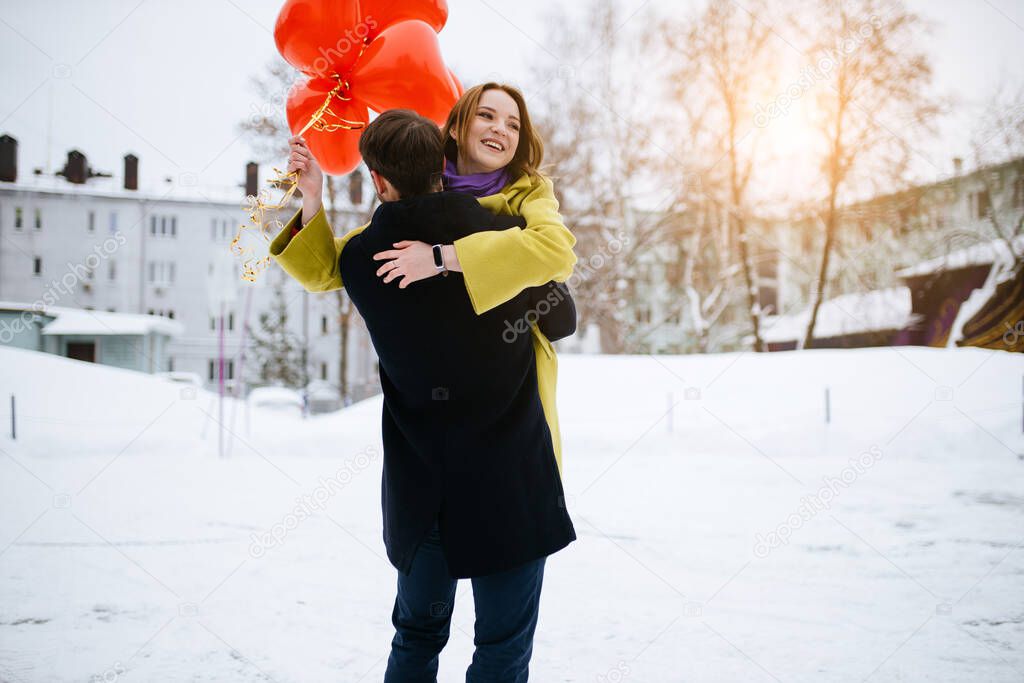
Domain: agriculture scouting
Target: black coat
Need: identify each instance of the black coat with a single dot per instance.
(465, 437)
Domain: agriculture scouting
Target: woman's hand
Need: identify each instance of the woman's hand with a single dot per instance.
(311, 178)
(410, 260)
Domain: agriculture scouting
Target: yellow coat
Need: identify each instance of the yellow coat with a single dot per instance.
(496, 264)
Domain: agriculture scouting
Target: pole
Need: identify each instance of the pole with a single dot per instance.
(220, 385)
(828, 407)
(14, 431)
(241, 370)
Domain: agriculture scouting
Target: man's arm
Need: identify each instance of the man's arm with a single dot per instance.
(556, 317)
(311, 255)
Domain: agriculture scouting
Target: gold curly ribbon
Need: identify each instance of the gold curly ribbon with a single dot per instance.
(324, 119)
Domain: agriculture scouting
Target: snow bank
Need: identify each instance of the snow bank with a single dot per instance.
(128, 547)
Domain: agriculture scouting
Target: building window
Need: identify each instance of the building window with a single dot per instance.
(174, 226)
(170, 274)
(112, 270)
(37, 266)
(170, 364)
(39, 219)
(982, 204)
(170, 314)
(213, 324)
(323, 371)
(152, 225)
(231, 321)
(152, 271)
(92, 222)
(323, 324)
(113, 222)
(213, 370)
(230, 374)
(19, 218)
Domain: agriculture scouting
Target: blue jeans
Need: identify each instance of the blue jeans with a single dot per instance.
(507, 605)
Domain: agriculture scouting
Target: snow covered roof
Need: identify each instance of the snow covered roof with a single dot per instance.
(981, 254)
(185, 188)
(881, 309)
(81, 321)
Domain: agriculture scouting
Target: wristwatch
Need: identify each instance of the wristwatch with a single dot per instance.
(439, 260)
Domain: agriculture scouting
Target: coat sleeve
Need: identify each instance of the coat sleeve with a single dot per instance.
(311, 256)
(559, 320)
(499, 264)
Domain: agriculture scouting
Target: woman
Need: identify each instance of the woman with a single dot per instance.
(493, 152)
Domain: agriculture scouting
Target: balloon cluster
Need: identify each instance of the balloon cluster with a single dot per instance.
(359, 55)
(355, 55)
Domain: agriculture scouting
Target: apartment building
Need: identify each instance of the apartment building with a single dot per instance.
(98, 241)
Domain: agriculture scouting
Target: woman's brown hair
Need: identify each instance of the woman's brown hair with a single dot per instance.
(530, 150)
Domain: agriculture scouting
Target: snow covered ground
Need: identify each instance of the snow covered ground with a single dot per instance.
(725, 532)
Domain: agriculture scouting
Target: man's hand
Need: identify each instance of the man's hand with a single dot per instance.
(410, 260)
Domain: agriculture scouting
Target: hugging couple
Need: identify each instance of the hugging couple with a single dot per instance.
(467, 241)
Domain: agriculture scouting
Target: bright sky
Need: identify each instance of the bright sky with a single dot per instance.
(168, 79)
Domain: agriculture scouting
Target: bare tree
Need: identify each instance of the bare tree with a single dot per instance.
(708, 272)
(718, 60)
(878, 75)
(594, 112)
(999, 140)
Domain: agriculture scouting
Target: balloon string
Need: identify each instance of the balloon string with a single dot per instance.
(259, 204)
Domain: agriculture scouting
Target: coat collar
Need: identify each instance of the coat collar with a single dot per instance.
(499, 202)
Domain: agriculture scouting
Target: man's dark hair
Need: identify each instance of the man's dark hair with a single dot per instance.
(405, 148)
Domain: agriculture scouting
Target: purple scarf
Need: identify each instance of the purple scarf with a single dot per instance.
(476, 184)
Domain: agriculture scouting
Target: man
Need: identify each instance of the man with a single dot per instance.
(470, 487)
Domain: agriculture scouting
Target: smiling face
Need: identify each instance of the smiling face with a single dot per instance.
(493, 134)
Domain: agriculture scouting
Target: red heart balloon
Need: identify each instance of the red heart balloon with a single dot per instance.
(403, 69)
(379, 15)
(456, 83)
(337, 151)
(320, 37)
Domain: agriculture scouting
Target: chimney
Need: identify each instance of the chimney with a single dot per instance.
(131, 172)
(76, 169)
(8, 159)
(252, 178)
(958, 166)
(355, 188)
